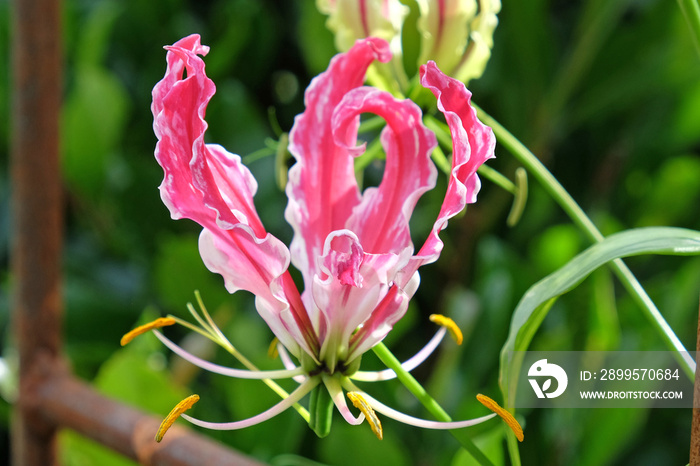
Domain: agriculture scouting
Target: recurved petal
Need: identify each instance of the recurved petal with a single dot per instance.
(260, 267)
(381, 218)
(202, 182)
(207, 184)
(472, 144)
(354, 286)
(387, 312)
(322, 188)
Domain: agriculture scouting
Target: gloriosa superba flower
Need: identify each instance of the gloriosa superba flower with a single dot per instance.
(352, 248)
(456, 34)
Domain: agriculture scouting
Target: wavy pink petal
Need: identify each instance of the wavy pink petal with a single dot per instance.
(388, 311)
(211, 186)
(415, 361)
(358, 265)
(345, 305)
(227, 371)
(336, 392)
(414, 421)
(322, 188)
(201, 181)
(381, 219)
(255, 265)
(472, 143)
(299, 393)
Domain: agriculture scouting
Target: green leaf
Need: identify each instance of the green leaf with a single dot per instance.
(179, 271)
(537, 301)
(93, 122)
(76, 450)
(95, 113)
(95, 33)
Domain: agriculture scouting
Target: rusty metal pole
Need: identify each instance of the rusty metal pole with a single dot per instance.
(695, 426)
(36, 214)
(70, 403)
(49, 396)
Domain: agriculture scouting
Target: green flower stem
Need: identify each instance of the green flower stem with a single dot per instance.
(440, 159)
(580, 219)
(258, 154)
(519, 197)
(442, 132)
(388, 358)
(691, 11)
(426, 400)
(211, 331)
(274, 386)
(374, 123)
(498, 179)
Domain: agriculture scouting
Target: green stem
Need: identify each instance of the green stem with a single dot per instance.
(580, 219)
(413, 386)
(442, 132)
(371, 124)
(691, 11)
(212, 332)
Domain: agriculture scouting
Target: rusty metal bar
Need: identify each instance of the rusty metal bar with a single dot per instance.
(695, 426)
(37, 213)
(49, 397)
(70, 403)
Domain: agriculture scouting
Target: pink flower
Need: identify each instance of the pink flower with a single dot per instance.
(352, 248)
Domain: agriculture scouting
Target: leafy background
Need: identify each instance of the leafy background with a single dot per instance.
(605, 92)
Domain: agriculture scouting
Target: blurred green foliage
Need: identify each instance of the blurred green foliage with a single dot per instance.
(605, 92)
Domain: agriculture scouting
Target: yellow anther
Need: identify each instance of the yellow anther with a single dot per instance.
(455, 332)
(272, 351)
(505, 415)
(158, 323)
(360, 403)
(180, 408)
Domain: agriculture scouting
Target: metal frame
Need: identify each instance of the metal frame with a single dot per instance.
(50, 398)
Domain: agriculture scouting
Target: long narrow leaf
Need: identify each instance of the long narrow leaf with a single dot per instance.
(537, 301)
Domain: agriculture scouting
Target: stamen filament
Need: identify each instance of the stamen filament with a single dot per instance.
(288, 363)
(176, 412)
(215, 329)
(414, 421)
(445, 321)
(505, 415)
(336, 391)
(272, 351)
(301, 391)
(227, 371)
(211, 331)
(360, 403)
(141, 329)
(409, 365)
